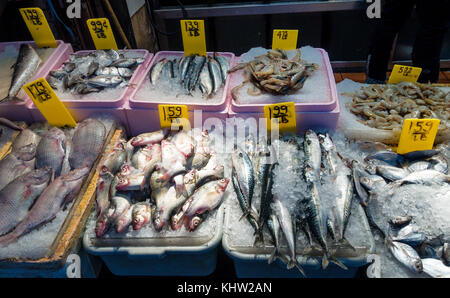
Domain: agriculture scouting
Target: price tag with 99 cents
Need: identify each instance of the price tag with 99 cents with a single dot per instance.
(102, 34)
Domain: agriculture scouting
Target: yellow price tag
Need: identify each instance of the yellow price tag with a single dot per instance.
(284, 113)
(173, 115)
(284, 39)
(193, 33)
(417, 134)
(402, 73)
(49, 104)
(102, 34)
(38, 26)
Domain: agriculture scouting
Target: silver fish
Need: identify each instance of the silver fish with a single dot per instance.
(357, 174)
(51, 150)
(216, 74)
(19, 195)
(223, 65)
(373, 183)
(165, 205)
(88, 141)
(274, 229)
(149, 138)
(420, 165)
(104, 81)
(435, 268)
(195, 178)
(26, 137)
(16, 164)
(245, 176)
(156, 70)
(206, 82)
(406, 255)
(391, 173)
(60, 192)
(26, 65)
(184, 66)
(439, 163)
(312, 155)
(427, 177)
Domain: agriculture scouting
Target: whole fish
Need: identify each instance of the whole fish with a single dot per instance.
(165, 205)
(167, 71)
(60, 192)
(146, 158)
(427, 177)
(216, 74)
(103, 191)
(373, 183)
(357, 174)
(26, 65)
(406, 255)
(201, 156)
(25, 137)
(135, 180)
(286, 223)
(223, 65)
(87, 142)
(391, 173)
(194, 73)
(9, 124)
(19, 195)
(52, 150)
(104, 81)
(274, 229)
(206, 198)
(266, 176)
(142, 214)
(435, 268)
(149, 138)
(16, 164)
(413, 239)
(206, 82)
(195, 178)
(421, 154)
(185, 63)
(156, 70)
(173, 162)
(115, 158)
(312, 155)
(245, 176)
(420, 165)
(184, 143)
(126, 62)
(120, 203)
(124, 220)
(388, 157)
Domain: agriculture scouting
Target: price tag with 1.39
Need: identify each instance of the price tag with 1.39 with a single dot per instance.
(170, 115)
(102, 34)
(193, 34)
(38, 26)
(417, 134)
(402, 73)
(284, 113)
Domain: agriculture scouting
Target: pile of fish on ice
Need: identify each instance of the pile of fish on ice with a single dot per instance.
(99, 70)
(300, 202)
(162, 178)
(43, 173)
(405, 198)
(208, 74)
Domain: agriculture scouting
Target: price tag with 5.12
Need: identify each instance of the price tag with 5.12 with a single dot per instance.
(284, 39)
(102, 34)
(38, 26)
(417, 134)
(284, 113)
(173, 115)
(193, 34)
(402, 73)
(49, 104)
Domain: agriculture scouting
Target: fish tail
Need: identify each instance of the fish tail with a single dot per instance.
(259, 239)
(325, 261)
(343, 242)
(335, 261)
(245, 215)
(294, 263)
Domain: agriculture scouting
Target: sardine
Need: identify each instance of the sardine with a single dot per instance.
(216, 74)
(19, 195)
(206, 82)
(223, 65)
(312, 155)
(185, 64)
(26, 65)
(245, 176)
(88, 141)
(156, 70)
(52, 150)
(391, 173)
(59, 193)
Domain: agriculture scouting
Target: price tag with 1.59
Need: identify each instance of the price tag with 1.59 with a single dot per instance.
(173, 115)
(49, 104)
(38, 26)
(284, 113)
(417, 134)
(193, 34)
(284, 39)
(402, 73)
(102, 34)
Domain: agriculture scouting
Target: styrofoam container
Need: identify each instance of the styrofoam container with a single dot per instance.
(249, 264)
(143, 115)
(17, 111)
(114, 102)
(172, 257)
(321, 114)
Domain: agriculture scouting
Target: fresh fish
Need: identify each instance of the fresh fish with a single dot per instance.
(149, 138)
(426, 250)
(156, 70)
(125, 72)
(68, 67)
(165, 206)
(115, 158)
(413, 239)
(60, 73)
(420, 165)
(120, 203)
(184, 66)
(124, 220)
(223, 65)
(52, 150)
(312, 155)
(415, 155)
(82, 88)
(400, 221)
(446, 253)
(184, 143)
(439, 163)
(87, 142)
(173, 162)
(391, 173)
(194, 73)
(388, 157)
(26, 65)
(357, 174)
(274, 229)
(201, 156)
(113, 54)
(59, 193)
(167, 71)
(245, 176)
(266, 176)
(103, 191)
(9, 124)
(435, 268)
(125, 62)
(286, 223)
(206, 82)
(16, 164)
(104, 81)
(373, 183)
(141, 215)
(206, 198)
(65, 167)
(19, 195)
(427, 177)
(196, 221)
(103, 223)
(195, 178)
(216, 74)
(406, 255)
(132, 181)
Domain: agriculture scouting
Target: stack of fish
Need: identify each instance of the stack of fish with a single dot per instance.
(206, 73)
(317, 216)
(274, 73)
(94, 72)
(43, 174)
(165, 178)
(384, 174)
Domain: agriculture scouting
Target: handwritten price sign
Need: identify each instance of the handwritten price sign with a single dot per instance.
(284, 39)
(284, 113)
(402, 73)
(102, 34)
(38, 26)
(173, 115)
(417, 134)
(193, 33)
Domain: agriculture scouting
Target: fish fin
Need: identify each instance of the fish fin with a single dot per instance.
(337, 262)
(259, 239)
(295, 263)
(324, 261)
(345, 243)
(246, 213)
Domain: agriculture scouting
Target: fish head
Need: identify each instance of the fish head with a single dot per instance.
(191, 177)
(136, 141)
(177, 221)
(125, 170)
(194, 223)
(40, 176)
(326, 142)
(417, 265)
(222, 184)
(26, 153)
(102, 225)
(159, 223)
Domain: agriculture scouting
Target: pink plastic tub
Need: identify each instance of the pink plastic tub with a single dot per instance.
(116, 102)
(17, 111)
(144, 116)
